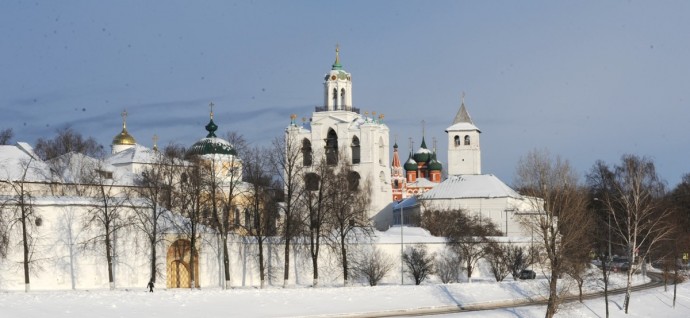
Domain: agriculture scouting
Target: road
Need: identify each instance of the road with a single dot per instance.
(656, 281)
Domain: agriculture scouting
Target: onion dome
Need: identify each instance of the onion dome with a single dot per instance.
(411, 164)
(423, 154)
(124, 138)
(337, 72)
(211, 145)
(434, 165)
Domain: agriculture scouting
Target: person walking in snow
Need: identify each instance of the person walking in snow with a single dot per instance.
(150, 286)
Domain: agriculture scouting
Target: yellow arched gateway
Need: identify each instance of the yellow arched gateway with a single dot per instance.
(178, 258)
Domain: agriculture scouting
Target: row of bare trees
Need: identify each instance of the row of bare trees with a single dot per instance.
(622, 209)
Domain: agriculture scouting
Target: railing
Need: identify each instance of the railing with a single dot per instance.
(345, 108)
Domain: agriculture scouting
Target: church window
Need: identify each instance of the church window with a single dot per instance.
(395, 184)
(342, 97)
(306, 152)
(467, 140)
(355, 150)
(237, 216)
(457, 141)
(332, 147)
(247, 218)
(353, 181)
(311, 181)
(381, 150)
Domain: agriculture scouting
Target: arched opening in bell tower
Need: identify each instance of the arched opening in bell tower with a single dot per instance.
(331, 147)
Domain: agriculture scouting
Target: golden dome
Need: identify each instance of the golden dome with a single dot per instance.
(124, 138)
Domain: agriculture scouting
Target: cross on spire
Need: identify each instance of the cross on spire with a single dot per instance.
(210, 105)
(124, 118)
(155, 142)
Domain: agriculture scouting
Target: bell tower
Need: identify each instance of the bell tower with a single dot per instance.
(464, 150)
(338, 87)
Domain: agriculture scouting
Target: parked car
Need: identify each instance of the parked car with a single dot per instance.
(620, 264)
(527, 274)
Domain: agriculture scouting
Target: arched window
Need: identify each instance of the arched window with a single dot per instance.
(247, 218)
(355, 150)
(342, 98)
(395, 184)
(353, 181)
(332, 147)
(467, 140)
(306, 152)
(381, 153)
(457, 140)
(311, 181)
(237, 216)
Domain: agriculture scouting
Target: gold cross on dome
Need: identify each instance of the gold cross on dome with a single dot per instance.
(210, 105)
(155, 140)
(124, 118)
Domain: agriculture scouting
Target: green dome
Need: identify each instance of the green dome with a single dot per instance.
(411, 165)
(423, 154)
(435, 166)
(211, 145)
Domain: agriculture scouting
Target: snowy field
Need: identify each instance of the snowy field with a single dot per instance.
(330, 301)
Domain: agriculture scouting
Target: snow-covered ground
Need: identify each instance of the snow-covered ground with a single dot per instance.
(305, 301)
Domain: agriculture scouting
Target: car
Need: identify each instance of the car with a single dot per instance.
(527, 274)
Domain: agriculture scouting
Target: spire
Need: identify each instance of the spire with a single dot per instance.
(336, 65)
(396, 157)
(462, 116)
(211, 127)
(155, 142)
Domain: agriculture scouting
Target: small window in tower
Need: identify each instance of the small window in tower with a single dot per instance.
(342, 98)
(395, 184)
(353, 181)
(306, 152)
(355, 150)
(457, 141)
(311, 181)
(467, 140)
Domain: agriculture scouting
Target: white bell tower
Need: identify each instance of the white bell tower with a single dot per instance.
(464, 150)
(338, 87)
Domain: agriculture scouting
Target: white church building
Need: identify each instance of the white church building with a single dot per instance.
(339, 131)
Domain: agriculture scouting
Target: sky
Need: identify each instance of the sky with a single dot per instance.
(587, 80)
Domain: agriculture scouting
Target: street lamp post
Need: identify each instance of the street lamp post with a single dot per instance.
(402, 252)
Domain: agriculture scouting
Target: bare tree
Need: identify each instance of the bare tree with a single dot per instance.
(466, 235)
(65, 141)
(497, 255)
(262, 203)
(190, 196)
(419, 263)
(107, 215)
(519, 258)
(6, 136)
(348, 213)
(288, 167)
(225, 189)
(320, 187)
(551, 187)
(22, 216)
(632, 195)
(448, 266)
(372, 265)
(151, 192)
